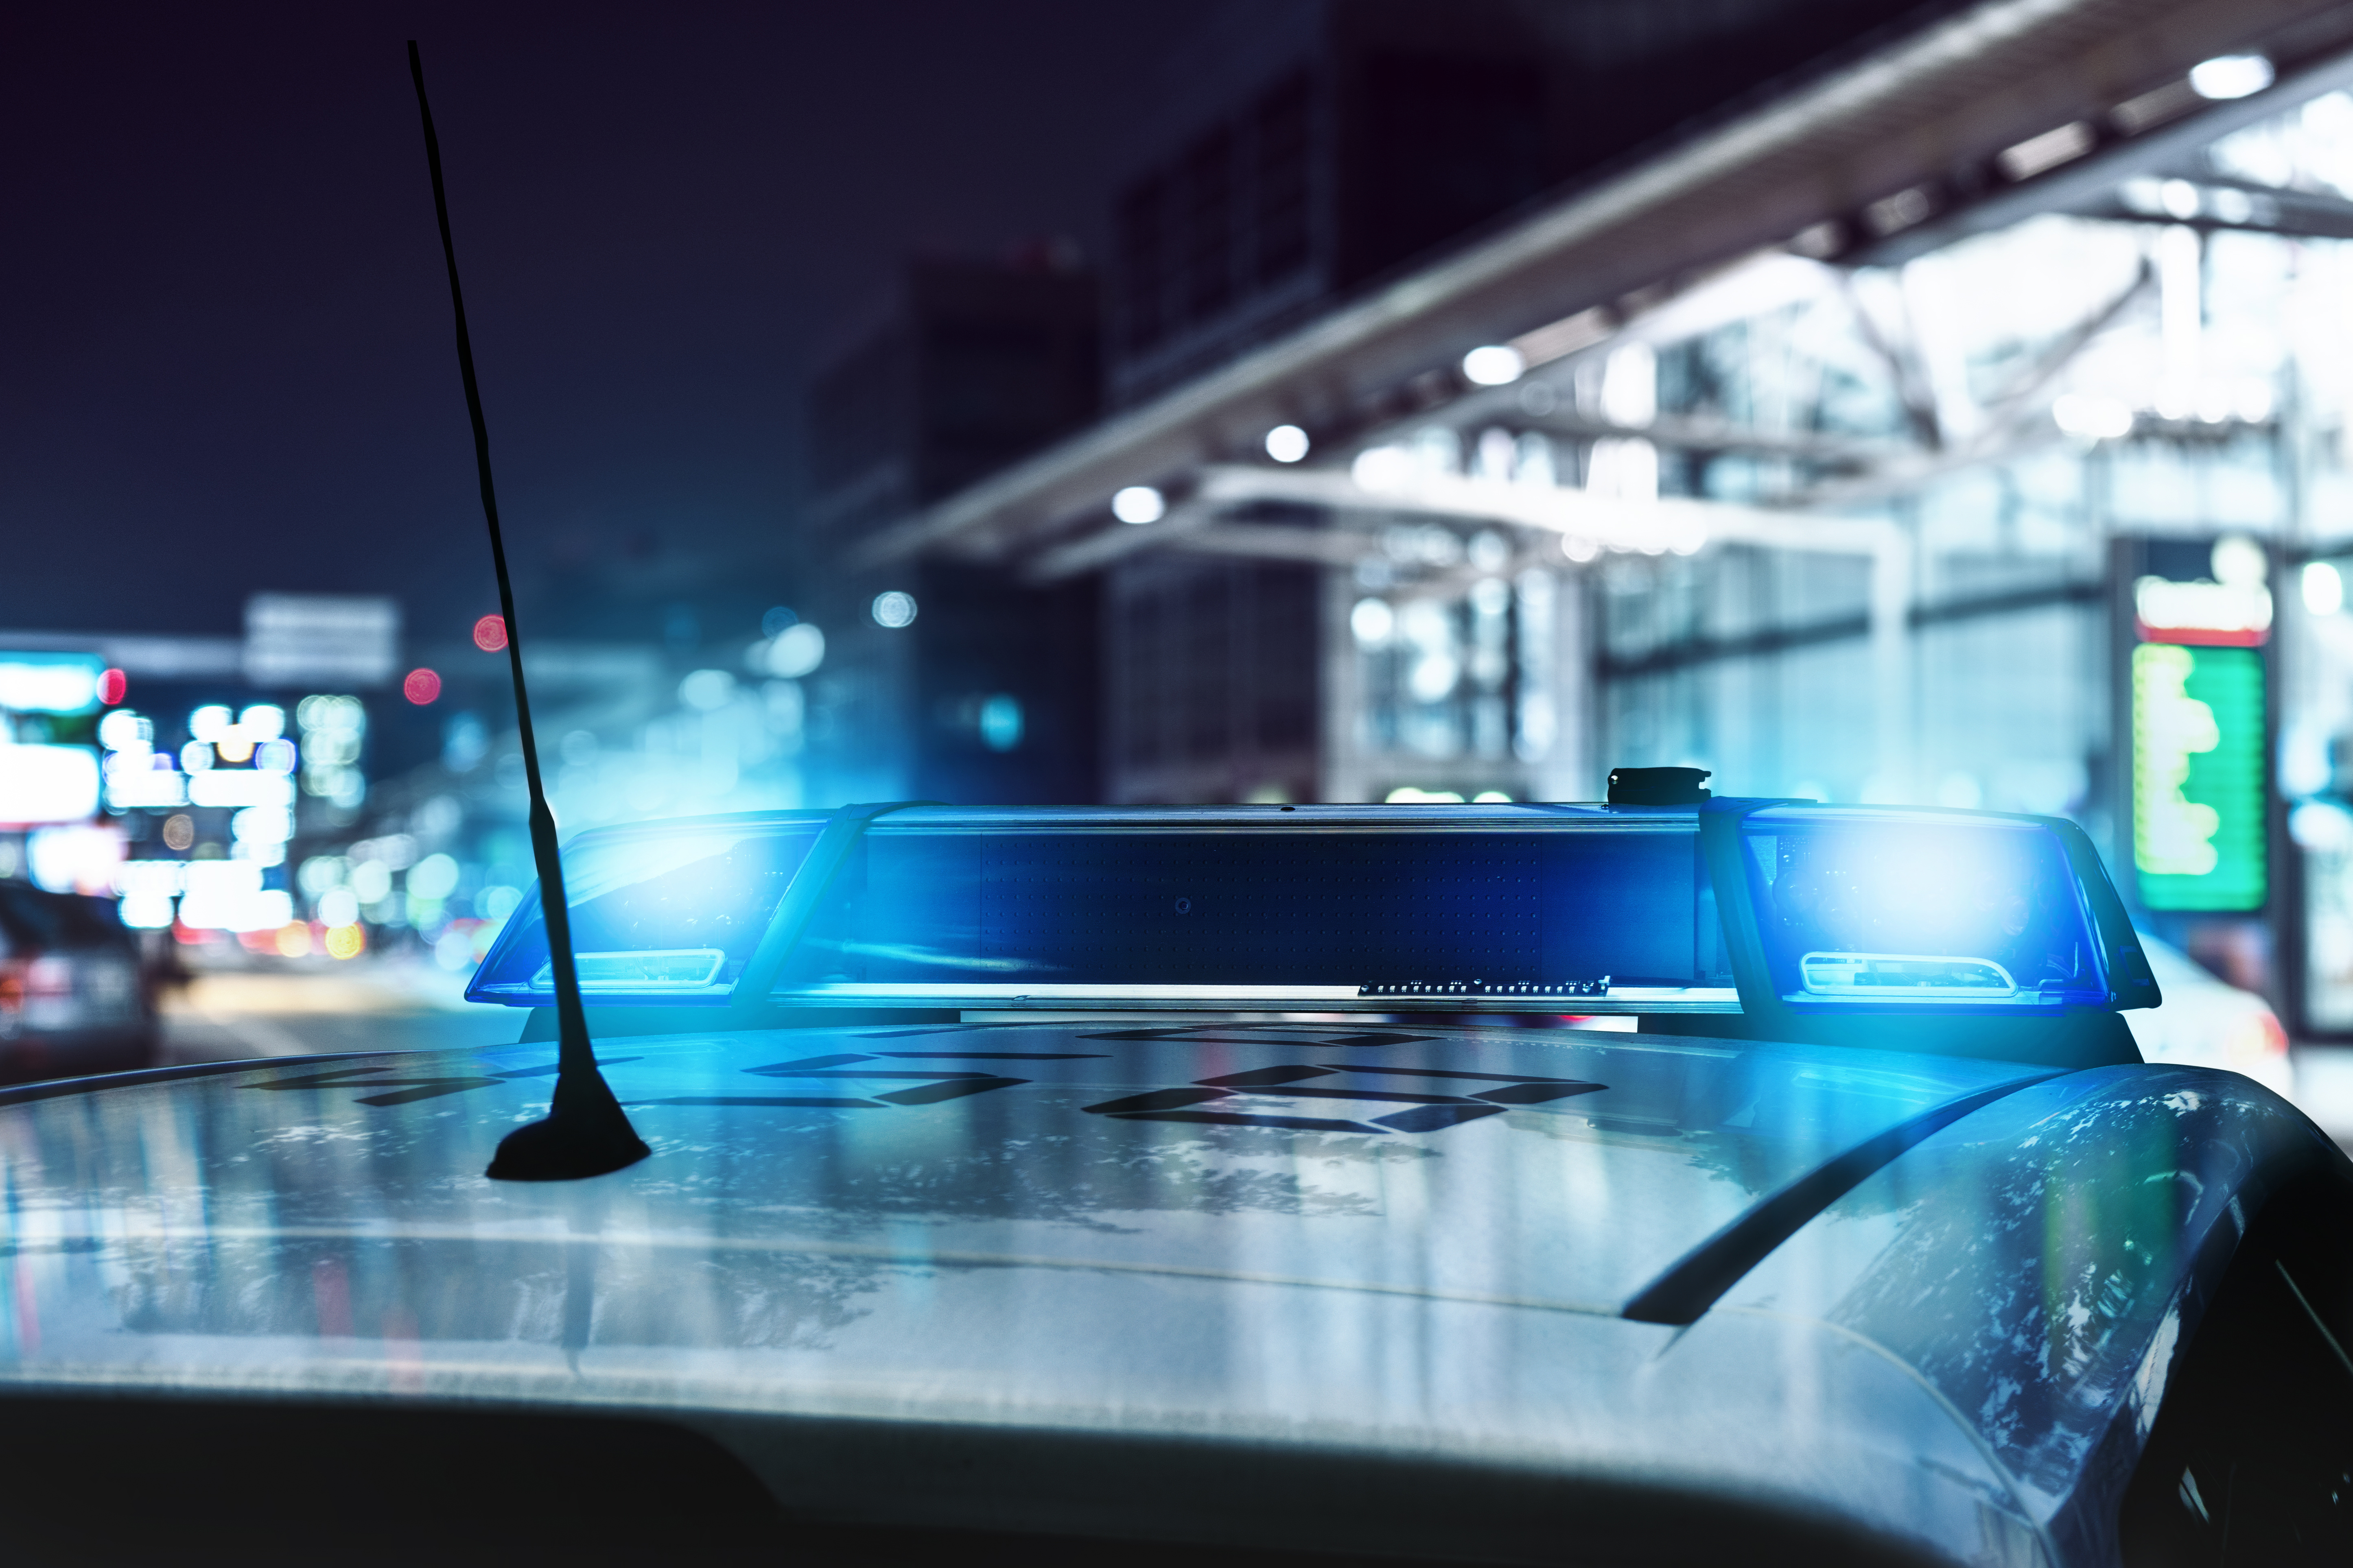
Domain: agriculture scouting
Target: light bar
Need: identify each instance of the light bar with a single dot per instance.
(1373, 909)
(1377, 908)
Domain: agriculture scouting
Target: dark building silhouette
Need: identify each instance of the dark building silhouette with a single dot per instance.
(1213, 681)
(990, 693)
(1312, 149)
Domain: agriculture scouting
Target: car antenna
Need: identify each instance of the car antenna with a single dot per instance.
(586, 1133)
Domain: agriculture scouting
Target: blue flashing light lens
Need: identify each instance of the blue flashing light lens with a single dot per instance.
(1892, 973)
(669, 911)
(1910, 909)
(675, 969)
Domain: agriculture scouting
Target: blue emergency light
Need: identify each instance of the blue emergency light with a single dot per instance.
(1721, 916)
(1860, 908)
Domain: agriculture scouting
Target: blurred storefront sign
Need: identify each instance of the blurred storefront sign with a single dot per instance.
(2197, 695)
(42, 784)
(2199, 801)
(77, 858)
(47, 682)
(314, 641)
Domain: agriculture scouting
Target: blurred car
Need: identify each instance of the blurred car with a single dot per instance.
(1048, 1186)
(73, 998)
(2209, 1023)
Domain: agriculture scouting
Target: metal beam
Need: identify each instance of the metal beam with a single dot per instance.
(1093, 552)
(1609, 522)
(2005, 430)
(1692, 653)
(1668, 312)
(1702, 434)
(2084, 182)
(2270, 209)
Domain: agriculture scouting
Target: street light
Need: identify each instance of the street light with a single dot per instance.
(1493, 366)
(1139, 504)
(1286, 442)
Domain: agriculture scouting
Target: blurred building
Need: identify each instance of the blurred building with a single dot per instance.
(1317, 151)
(321, 786)
(1309, 150)
(1878, 436)
(948, 679)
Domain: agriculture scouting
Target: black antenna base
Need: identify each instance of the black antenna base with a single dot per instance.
(567, 1144)
(584, 1132)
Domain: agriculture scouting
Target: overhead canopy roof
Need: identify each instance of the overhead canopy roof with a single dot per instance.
(1893, 154)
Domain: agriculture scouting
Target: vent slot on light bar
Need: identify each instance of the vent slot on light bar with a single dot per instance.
(1382, 909)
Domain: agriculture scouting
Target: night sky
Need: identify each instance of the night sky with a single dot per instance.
(226, 360)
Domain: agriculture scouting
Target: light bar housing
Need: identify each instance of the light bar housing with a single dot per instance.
(1375, 908)
(1507, 909)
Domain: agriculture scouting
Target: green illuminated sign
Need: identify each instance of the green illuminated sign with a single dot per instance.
(2199, 835)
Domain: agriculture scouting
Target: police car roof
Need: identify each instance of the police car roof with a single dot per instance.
(1260, 1284)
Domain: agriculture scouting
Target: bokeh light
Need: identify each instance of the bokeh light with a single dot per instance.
(490, 633)
(421, 686)
(1139, 504)
(435, 877)
(707, 691)
(798, 650)
(1493, 366)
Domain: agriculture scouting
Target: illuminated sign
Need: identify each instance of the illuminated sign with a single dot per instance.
(2224, 615)
(47, 784)
(311, 639)
(227, 894)
(49, 682)
(235, 788)
(2197, 781)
